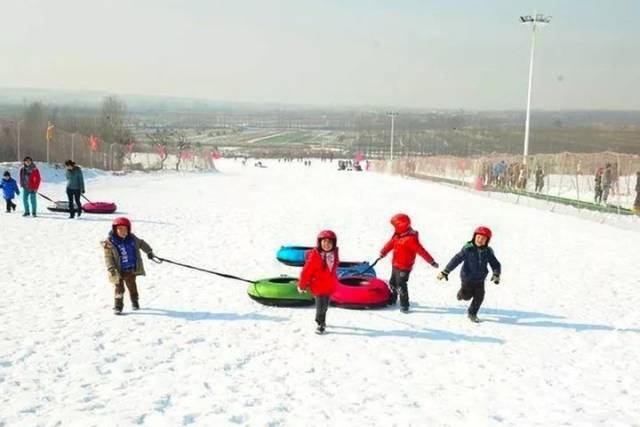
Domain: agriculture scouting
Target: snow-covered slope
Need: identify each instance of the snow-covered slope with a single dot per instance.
(559, 343)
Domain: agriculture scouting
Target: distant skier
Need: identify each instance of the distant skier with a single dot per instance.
(598, 186)
(30, 182)
(636, 204)
(9, 190)
(75, 187)
(319, 274)
(539, 179)
(124, 261)
(405, 245)
(474, 256)
(607, 182)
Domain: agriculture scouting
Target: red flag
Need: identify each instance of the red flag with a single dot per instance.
(162, 151)
(130, 147)
(215, 155)
(359, 156)
(94, 143)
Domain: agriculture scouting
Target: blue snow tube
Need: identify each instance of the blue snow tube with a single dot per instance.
(292, 255)
(350, 269)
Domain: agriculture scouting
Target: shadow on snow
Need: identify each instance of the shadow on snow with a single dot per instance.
(206, 315)
(522, 318)
(421, 333)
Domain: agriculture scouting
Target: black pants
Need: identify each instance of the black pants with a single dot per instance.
(74, 195)
(322, 305)
(473, 292)
(398, 284)
(10, 205)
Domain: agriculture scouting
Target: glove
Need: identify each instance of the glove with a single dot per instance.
(151, 255)
(435, 264)
(82, 192)
(495, 278)
(443, 275)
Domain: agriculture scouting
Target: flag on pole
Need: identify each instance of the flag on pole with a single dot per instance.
(93, 143)
(162, 151)
(50, 128)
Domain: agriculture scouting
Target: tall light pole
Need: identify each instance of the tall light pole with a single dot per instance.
(18, 122)
(393, 115)
(538, 20)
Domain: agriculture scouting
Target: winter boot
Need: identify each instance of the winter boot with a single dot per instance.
(26, 214)
(34, 215)
(474, 318)
(320, 329)
(134, 304)
(404, 309)
(118, 306)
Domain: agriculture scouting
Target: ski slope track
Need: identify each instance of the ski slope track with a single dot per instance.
(559, 343)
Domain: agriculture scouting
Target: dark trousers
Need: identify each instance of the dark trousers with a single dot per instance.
(128, 279)
(322, 305)
(398, 284)
(74, 195)
(473, 292)
(10, 205)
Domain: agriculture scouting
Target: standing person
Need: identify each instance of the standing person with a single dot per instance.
(598, 186)
(607, 181)
(319, 274)
(539, 179)
(405, 245)
(9, 190)
(124, 261)
(474, 256)
(75, 187)
(30, 182)
(636, 204)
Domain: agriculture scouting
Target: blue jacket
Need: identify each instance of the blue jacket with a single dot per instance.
(127, 250)
(9, 188)
(475, 260)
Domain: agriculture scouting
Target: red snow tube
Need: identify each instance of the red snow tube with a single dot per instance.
(360, 292)
(99, 207)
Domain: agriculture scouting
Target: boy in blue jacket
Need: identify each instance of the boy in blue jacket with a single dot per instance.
(9, 190)
(474, 256)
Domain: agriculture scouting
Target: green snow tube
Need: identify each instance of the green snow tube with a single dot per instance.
(280, 292)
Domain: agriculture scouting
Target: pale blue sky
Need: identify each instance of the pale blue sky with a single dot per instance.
(414, 53)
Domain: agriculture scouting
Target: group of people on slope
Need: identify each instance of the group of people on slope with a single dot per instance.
(30, 180)
(319, 274)
(123, 259)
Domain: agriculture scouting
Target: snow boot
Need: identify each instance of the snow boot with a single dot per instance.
(474, 318)
(118, 306)
(34, 215)
(26, 214)
(320, 329)
(404, 309)
(135, 305)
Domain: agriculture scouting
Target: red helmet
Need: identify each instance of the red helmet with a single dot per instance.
(483, 231)
(327, 234)
(401, 222)
(121, 221)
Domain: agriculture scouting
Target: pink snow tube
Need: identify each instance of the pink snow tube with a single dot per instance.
(99, 207)
(360, 292)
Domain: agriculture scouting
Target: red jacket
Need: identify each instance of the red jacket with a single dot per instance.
(317, 275)
(405, 247)
(34, 179)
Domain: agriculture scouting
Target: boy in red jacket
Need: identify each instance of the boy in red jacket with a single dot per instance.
(319, 274)
(405, 246)
(30, 182)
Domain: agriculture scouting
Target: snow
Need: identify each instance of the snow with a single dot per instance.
(559, 342)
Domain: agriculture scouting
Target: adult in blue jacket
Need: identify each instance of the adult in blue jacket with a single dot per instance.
(9, 190)
(475, 257)
(75, 187)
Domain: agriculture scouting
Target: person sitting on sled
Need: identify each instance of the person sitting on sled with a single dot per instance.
(405, 245)
(124, 261)
(474, 256)
(319, 274)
